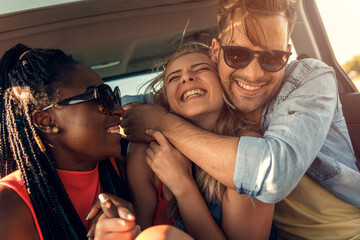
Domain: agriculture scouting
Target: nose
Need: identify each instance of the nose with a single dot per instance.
(253, 71)
(118, 110)
(188, 77)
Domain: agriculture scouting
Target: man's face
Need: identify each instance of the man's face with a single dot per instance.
(250, 88)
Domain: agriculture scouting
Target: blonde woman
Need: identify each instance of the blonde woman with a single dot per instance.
(173, 190)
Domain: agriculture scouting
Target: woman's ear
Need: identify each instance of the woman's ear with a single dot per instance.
(44, 122)
(215, 50)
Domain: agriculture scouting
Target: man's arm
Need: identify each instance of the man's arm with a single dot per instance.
(214, 153)
(266, 168)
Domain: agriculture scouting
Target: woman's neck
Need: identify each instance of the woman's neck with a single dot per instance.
(207, 121)
(65, 161)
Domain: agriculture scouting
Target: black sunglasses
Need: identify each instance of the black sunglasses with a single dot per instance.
(239, 57)
(102, 93)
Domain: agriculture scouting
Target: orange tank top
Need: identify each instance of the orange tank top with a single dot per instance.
(160, 208)
(81, 187)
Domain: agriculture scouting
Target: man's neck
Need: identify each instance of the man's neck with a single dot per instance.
(255, 116)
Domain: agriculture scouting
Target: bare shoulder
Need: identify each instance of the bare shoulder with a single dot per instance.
(16, 221)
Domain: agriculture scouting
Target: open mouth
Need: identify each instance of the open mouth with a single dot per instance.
(193, 93)
(115, 130)
(248, 87)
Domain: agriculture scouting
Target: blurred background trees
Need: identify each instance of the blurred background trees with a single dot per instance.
(352, 67)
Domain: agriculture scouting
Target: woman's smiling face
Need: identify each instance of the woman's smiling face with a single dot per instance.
(193, 88)
(86, 135)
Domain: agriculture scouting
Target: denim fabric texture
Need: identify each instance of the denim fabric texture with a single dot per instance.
(304, 132)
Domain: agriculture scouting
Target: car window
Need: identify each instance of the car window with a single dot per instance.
(340, 19)
(132, 85)
(20, 5)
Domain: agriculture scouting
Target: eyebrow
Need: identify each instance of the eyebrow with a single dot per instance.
(192, 66)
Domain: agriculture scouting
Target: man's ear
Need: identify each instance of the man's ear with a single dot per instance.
(215, 50)
(43, 121)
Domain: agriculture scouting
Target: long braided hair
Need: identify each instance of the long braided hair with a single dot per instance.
(29, 78)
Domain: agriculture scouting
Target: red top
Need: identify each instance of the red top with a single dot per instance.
(83, 189)
(160, 208)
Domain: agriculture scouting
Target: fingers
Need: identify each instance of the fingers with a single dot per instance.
(115, 216)
(114, 225)
(91, 231)
(94, 210)
(158, 136)
(113, 228)
(111, 210)
(129, 235)
(126, 214)
(107, 206)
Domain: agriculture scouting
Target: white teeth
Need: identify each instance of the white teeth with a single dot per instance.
(114, 129)
(247, 87)
(192, 93)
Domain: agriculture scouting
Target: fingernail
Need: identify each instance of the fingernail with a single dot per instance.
(87, 217)
(129, 216)
(88, 233)
(103, 198)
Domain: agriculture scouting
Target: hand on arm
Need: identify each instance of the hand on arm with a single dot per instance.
(183, 135)
(174, 170)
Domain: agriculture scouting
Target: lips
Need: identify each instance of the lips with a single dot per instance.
(114, 129)
(193, 93)
(248, 87)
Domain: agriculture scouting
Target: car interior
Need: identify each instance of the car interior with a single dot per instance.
(119, 38)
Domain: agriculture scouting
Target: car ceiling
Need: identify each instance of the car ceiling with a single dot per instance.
(135, 32)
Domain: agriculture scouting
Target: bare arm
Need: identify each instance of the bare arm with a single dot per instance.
(183, 135)
(174, 170)
(143, 193)
(16, 221)
(245, 218)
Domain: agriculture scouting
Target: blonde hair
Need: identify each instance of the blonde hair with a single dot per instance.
(230, 122)
(248, 11)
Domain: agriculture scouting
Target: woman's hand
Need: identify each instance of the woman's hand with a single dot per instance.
(112, 218)
(169, 165)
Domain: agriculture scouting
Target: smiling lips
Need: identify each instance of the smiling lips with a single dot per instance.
(114, 129)
(192, 93)
(248, 87)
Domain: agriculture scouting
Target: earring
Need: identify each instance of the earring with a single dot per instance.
(40, 144)
(55, 130)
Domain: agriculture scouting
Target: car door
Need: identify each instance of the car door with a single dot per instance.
(310, 37)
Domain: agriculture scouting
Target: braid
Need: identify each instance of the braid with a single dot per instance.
(111, 182)
(27, 84)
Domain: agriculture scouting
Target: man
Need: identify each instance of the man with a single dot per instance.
(298, 109)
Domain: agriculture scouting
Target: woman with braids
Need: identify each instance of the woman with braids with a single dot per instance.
(60, 129)
(171, 186)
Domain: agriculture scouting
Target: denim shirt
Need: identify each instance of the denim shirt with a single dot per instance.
(304, 132)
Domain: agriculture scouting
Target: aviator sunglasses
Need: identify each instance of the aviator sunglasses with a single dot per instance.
(239, 57)
(103, 94)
